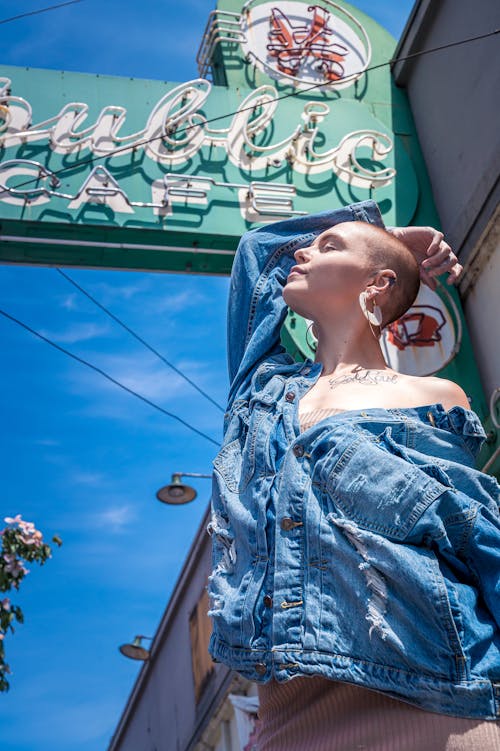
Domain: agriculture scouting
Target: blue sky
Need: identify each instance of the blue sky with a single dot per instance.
(82, 458)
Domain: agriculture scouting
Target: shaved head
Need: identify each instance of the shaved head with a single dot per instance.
(384, 251)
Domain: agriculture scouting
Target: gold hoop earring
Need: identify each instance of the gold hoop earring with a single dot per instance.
(311, 344)
(374, 317)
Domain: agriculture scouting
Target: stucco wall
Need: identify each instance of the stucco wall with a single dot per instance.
(454, 98)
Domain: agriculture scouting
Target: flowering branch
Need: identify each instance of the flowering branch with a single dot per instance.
(20, 541)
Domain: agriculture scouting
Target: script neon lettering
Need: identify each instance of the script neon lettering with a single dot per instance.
(176, 130)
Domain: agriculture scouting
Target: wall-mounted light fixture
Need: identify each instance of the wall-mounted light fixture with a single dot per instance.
(135, 650)
(177, 492)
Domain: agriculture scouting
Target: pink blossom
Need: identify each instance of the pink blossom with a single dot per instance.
(5, 603)
(1, 636)
(32, 538)
(27, 527)
(15, 520)
(13, 567)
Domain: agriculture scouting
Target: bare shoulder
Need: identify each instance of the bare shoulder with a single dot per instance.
(441, 391)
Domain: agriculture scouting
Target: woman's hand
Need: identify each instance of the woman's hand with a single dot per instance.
(433, 254)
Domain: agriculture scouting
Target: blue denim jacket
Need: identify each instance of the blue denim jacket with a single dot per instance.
(365, 549)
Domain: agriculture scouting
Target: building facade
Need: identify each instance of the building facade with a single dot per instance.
(457, 116)
(181, 700)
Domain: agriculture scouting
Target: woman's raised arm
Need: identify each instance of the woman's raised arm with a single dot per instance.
(256, 309)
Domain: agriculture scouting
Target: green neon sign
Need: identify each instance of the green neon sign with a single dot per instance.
(295, 111)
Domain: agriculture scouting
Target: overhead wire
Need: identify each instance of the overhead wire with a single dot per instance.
(85, 292)
(92, 159)
(206, 121)
(41, 10)
(139, 338)
(107, 376)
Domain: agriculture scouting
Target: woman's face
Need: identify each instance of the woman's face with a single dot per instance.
(330, 273)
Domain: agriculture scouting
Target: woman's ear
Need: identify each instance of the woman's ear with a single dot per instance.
(382, 282)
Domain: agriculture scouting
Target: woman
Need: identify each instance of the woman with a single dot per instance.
(355, 547)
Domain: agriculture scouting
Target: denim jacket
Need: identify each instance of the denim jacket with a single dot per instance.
(365, 549)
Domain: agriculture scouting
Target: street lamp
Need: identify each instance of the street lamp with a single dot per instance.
(177, 492)
(135, 650)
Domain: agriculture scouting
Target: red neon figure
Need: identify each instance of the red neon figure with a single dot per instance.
(416, 329)
(293, 45)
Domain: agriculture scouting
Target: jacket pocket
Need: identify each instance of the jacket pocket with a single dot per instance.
(235, 466)
(379, 490)
(436, 469)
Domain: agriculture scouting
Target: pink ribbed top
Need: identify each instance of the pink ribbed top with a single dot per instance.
(311, 417)
(312, 713)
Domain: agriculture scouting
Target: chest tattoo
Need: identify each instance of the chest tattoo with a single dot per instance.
(363, 376)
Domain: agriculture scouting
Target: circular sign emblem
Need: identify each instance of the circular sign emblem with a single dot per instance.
(426, 338)
(305, 44)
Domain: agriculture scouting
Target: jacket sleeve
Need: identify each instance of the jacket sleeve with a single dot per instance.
(481, 553)
(446, 505)
(465, 527)
(256, 309)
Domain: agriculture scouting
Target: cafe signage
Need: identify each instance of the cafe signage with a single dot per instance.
(294, 111)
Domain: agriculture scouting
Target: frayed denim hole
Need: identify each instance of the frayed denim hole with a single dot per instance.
(224, 544)
(375, 581)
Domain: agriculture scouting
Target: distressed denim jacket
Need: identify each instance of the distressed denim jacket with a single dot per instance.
(365, 549)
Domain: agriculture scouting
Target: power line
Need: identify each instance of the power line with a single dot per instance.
(392, 61)
(42, 10)
(107, 376)
(139, 339)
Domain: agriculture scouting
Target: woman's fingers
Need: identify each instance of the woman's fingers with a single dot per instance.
(454, 273)
(433, 253)
(427, 279)
(441, 260)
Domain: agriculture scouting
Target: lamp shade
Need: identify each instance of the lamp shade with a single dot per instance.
(177, 492)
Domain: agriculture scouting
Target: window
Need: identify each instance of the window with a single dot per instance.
(200, 629)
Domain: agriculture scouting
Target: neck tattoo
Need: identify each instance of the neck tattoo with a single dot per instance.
(363, 376)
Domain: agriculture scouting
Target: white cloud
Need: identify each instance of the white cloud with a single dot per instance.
(177, 303)
(115, 518)
(78, 332)
(95, 479)
(105, 293)
(69, 302)
(144, 374)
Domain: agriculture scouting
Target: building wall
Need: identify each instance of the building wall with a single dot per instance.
(480, 295)
(456, 107)
(162, 713)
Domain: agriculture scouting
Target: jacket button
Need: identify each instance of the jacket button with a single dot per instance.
(268, 601)
(298, 450)
(289, 396)
(287, 523)
(260, 668)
